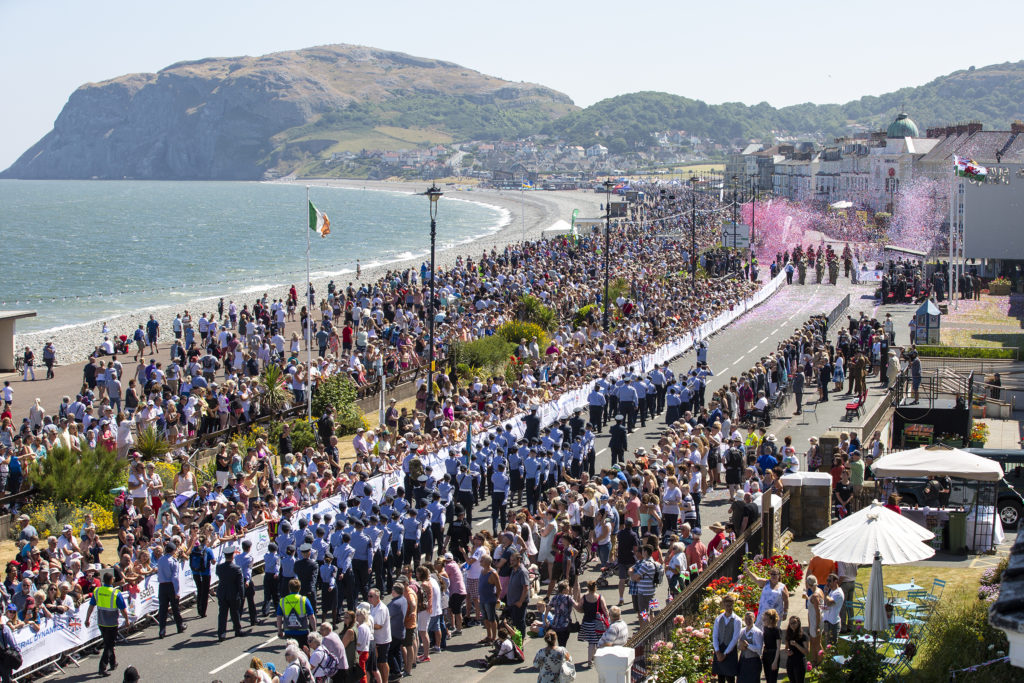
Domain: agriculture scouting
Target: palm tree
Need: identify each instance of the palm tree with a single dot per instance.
(151, 444)
(274, 397)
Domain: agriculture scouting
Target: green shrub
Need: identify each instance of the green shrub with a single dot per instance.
(64, 475)
(958, 636)
(273, 394)
(490, 353)
(303, 434)
(337, 391)
(532, 310)
(965, 352)
(863, 664)
(586, 314)
(467, 372)
(618, 287)
(151, 444)
(514, 331)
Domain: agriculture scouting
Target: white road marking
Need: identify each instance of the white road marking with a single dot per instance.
(241, 656)
(752, 349)
(763, 340)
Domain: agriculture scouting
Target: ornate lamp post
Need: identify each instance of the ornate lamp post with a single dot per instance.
(608, 185)
(433, 193)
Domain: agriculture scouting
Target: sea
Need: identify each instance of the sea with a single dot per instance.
(84, 251)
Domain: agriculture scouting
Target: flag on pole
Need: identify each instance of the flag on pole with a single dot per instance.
(654, 605)
(318, 221)
(644, 615)
(968, 168)
(527, 185)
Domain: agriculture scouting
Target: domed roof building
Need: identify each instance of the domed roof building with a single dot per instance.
(902, 127)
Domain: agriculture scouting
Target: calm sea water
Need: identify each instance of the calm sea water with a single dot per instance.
(84, 251)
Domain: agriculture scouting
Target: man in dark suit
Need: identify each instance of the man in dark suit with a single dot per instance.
(230, 592)
(619, 440)
(307, 572)
(532, 422)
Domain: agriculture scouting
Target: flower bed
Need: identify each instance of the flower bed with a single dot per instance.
(688, 651)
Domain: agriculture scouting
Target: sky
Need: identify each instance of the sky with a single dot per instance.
(782, 52)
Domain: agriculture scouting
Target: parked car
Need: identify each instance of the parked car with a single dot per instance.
(962, 493)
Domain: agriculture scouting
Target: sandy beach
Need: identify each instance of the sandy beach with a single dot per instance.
(529, 213)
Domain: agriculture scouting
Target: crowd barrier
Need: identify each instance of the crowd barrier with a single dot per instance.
(67, 633)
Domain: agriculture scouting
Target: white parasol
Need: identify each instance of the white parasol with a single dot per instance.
(857, 519)
(876, 530)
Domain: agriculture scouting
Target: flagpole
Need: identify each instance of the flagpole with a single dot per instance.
(309, 325)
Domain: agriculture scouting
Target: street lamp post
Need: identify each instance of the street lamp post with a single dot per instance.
(608, 184)
(433, 194)
(693, 229)
(753, 208)
(735, 225)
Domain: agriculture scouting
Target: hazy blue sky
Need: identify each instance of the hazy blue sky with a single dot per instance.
(781, 52)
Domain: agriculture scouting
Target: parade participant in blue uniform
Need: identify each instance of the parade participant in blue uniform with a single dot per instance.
(244, 561)
(627, 402)
(361, 559)
(411, 539)
(641, 401)
(464, 492)
(498, 499)
(657, 378)
(328, 578)
(168, 573)
(230, 593)
(271, 567)
(201, 562)
(531, 472)
(516, 456)
(438, 519)
(346, 577)
(596, 402)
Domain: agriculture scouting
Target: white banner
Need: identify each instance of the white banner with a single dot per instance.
(68, 632)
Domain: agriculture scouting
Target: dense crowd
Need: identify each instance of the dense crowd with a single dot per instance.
(346, 562)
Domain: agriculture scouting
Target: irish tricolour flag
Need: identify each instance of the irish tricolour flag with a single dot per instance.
(318, 221)
(968, 168)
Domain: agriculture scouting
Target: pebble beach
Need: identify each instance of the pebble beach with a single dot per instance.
(528, 214)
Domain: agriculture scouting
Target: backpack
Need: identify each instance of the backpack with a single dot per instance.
(199, 560)
(305, 676)
(659, 573)
(328, 666)
(735, 459)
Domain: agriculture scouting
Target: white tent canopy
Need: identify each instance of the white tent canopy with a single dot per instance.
(937, 460)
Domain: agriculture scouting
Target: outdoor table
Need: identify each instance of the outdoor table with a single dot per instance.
(867, 638)
(920, 515)
(905, 587)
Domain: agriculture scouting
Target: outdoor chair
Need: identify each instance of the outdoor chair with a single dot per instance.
(810, 408)
(853, 409)
(938, 585)
(896, 665)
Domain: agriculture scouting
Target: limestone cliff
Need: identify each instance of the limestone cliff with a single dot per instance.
(245, 117)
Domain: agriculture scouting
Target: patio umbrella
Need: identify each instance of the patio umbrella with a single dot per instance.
(857, 519)
(874, 604)
(876, 530)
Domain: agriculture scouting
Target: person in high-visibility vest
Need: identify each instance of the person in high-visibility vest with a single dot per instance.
(295, 616)
(108, 601)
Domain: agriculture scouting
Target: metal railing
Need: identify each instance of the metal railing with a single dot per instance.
(839, 309)
(729, 563)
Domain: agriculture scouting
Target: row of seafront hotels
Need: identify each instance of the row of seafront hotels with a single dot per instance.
(869, 171)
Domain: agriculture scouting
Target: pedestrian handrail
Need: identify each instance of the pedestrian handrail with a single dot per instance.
(839, 309)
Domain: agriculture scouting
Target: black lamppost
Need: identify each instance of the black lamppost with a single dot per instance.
(735, 225)
(608, 185)
(753, 208)
(693, 229)
(433, 194)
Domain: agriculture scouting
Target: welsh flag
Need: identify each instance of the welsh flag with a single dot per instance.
(318, 221)
(968, 168)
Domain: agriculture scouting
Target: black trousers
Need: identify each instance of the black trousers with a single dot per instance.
(411, 552)
(347, 591)
(202, 593)
(662, 390)
(108, 658)
(628, 410)
(250, 599)
(618, 455)
(168, 600)
(361, 570)
(531, 496)
(270, 592)
(595, 417)
(224, 608)
(329, 601)
(498, 516)
(465, 499)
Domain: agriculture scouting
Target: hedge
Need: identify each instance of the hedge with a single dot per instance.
(966, 352)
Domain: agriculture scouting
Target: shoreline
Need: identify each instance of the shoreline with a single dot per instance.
(525, 214)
